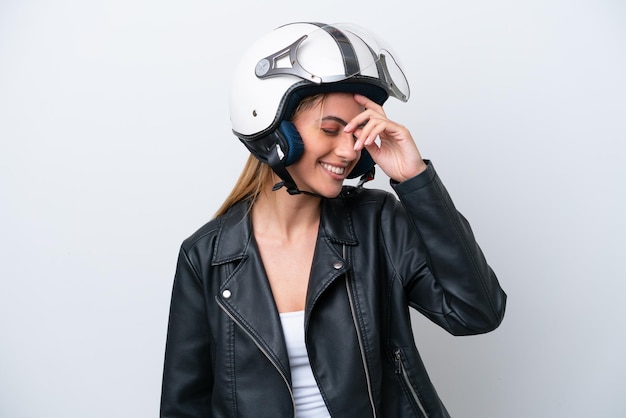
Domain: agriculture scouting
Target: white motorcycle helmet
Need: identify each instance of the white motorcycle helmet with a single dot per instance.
(299, 60)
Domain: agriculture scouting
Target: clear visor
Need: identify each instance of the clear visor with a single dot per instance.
(336, 53)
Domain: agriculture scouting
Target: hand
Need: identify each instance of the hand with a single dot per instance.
(397, 155)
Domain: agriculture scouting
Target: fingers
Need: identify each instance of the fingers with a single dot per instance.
(367, 103)
(374, 128)
(396, 153)
(362, 118)
(367, 125)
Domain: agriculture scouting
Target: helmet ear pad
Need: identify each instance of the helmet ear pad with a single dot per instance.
(292, 142)
(363, 166)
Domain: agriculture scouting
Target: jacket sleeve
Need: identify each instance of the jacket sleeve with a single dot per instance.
(187, 373)
(450, 281)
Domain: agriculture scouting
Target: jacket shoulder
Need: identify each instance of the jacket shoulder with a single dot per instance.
(205, 233)
(212, 239)
(358, 197)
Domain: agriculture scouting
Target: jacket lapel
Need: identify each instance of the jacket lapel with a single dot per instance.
(246, 295)
(329, 261)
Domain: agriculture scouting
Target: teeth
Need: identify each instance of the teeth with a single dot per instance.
(333, 169)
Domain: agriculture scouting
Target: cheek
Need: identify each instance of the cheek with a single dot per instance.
(315, 145)
(307, 160)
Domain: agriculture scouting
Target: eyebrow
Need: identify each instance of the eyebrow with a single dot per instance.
(336, 119)
(341, 121)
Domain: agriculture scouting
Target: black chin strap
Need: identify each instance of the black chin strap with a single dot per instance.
(274, 160)
(281, 184)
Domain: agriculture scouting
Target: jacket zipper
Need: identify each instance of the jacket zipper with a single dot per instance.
(265, 353)
(400, 370)
(360, 339)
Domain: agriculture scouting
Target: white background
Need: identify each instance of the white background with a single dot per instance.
(115, 145)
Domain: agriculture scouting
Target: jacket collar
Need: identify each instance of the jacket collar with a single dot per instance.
(234, 234)
(335, 225)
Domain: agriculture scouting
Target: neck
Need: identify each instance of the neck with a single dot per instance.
(280, 214)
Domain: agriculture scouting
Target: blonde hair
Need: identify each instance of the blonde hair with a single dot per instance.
(254, 178)
(257, 177)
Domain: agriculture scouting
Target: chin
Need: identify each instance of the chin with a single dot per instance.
(330, 193)
(323, 188)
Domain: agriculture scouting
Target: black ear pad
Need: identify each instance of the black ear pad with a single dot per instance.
(295, 146)
(365, 164)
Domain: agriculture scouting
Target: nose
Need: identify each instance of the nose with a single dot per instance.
(345, 147)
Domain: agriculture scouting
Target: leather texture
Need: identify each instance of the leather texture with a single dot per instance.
(376, 256)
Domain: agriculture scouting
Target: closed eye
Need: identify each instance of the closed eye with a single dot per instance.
(337, 132)
(330, 132)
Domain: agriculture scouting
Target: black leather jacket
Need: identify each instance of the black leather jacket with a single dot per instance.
(375, 256)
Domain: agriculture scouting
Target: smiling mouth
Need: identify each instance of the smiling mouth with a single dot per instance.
(334, 169)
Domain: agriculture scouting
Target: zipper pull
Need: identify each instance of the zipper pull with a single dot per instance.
(398, 359)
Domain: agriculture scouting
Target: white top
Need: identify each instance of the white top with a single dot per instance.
(309, 402)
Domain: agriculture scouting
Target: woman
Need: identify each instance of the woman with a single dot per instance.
(293, 301)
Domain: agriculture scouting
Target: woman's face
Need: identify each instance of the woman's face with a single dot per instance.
(329, 153)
